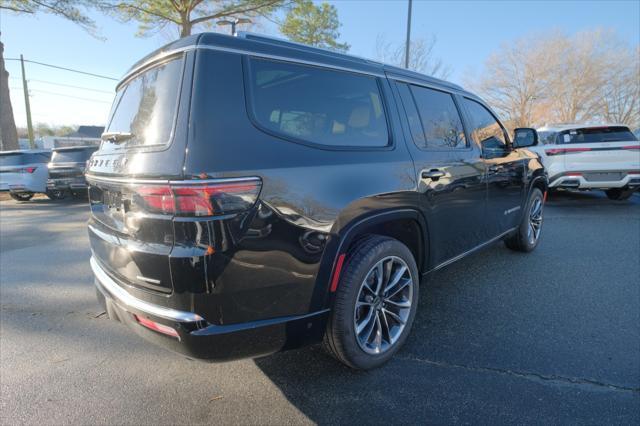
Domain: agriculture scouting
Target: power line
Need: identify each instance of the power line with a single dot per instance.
(66, 96)
(72, 86)
(64, 68)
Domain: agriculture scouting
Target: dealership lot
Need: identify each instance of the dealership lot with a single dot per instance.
(553, 336)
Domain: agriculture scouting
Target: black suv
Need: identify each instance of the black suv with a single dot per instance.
(252, 195)
(66, 171)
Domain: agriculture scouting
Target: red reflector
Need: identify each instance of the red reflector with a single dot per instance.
(544, 199)
(160, 328)
(573, 174)
(631, 147)
(336, 273)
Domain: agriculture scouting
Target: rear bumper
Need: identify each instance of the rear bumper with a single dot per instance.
(199, 339)
(583, 180)
(75, 184)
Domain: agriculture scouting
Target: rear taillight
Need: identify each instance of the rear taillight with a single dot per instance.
(559, 151)
(28, 170)
(199, 198)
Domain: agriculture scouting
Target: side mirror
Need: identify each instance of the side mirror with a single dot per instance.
(524, 137)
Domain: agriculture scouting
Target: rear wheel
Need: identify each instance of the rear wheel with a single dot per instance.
(21, 196)
(375, 303)
(527, 235)
(618, 194)
(56, 194)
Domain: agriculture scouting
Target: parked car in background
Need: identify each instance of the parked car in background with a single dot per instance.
(24, 173)
(272, 195)
(586, 157)
(66, 171)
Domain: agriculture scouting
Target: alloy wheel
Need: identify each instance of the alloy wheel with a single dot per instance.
(535, 221)
(383, 305)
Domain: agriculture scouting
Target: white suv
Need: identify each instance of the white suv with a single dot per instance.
(587, 157)
(24, 173)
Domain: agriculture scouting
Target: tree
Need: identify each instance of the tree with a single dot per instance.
(590, 76)
(314, 25)
(421, 56)
(72, 10)
(154, 15)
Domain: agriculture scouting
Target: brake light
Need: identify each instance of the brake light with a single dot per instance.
(160, 328)
(198, 198)
(559, 151)
(28, 170)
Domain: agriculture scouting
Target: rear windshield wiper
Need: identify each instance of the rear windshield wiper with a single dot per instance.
(116, 137)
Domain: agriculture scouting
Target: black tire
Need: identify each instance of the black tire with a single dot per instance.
(56, 194)
(21, 196)
(522, 239)
(618, 194)
(340, 338)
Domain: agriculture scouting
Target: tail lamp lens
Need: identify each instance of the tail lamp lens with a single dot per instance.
(559, 151)
(28, 170)
(200, 199)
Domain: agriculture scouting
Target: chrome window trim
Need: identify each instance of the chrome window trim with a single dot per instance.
(247, 52)
(135, 181)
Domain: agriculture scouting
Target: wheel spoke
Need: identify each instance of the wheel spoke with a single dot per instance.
(399, 287)
(396, 278)
(379, 278)
(402, 305)
(386, 328)
(378, 338)
(394, 316)
(365, 322)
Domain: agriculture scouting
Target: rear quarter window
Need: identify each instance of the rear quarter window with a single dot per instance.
(146, 106)
(316, 105)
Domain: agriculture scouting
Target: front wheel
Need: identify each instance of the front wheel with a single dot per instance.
(618, 194)
(375, 303)
(56, 194)
(527, 235)
(21, 196)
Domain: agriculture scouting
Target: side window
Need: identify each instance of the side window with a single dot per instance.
(317, 105)
(433, 117)
(485, 129)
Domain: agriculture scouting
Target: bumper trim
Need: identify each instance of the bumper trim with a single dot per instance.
(122, 296)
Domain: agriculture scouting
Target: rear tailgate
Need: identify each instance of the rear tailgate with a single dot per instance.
(131, 235)
(601, 150)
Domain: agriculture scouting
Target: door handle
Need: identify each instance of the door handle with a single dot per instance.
(433, 174)
(496, 169)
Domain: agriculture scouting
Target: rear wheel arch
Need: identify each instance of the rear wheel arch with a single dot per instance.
(405, 225)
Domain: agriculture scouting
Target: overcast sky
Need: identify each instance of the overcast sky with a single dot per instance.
(467, 32)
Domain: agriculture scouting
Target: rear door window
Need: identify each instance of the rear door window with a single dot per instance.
(146, 106)
(71, 156)
(597, 135)
(316, 105)
(434, 119)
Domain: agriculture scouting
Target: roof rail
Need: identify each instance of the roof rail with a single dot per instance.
(301, 46)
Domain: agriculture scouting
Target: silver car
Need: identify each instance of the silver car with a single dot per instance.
(24, 173)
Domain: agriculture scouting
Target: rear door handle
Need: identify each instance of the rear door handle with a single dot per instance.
(433, 174)
(495, 169)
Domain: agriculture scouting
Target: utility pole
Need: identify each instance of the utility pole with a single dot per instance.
(406, 48)
(27, 106)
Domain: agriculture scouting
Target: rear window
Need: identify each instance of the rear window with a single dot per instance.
(595, 135)
(146, 106)
(20, 159)
(72, 156)
(317, 105)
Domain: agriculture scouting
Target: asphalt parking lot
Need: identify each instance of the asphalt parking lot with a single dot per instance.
(500, 337)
